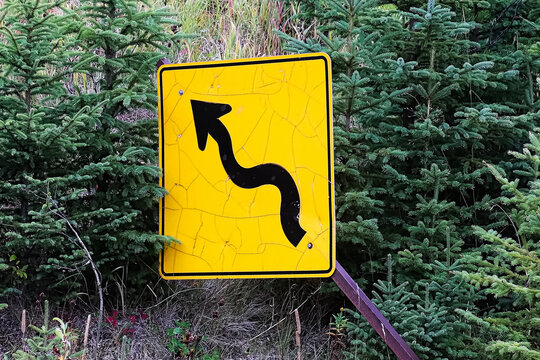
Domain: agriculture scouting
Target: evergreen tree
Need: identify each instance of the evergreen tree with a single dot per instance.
(121, 43)
(419, 103)
(353, 33)
(397, 305)
(39, 132)
(78, 166)
(428, 324)
(508, 267)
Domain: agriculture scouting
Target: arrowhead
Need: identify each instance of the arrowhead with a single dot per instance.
(204, 115)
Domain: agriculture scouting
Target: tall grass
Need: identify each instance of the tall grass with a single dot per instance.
(228, 29)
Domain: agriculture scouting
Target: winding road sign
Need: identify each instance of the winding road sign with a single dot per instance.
(246, 152)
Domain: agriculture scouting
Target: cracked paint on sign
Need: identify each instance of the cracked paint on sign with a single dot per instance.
(277, 113)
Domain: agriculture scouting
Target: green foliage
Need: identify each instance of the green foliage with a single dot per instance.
(120, 44)
(49, 343)
(428, 324)
(508, 266)
(186, 345)
(424, 92)
(37, 131)
(72, 151)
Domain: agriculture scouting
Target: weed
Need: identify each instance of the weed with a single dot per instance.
(337, 335)
(50, 343)
(184, 344)
(15, 265)
(125, 327)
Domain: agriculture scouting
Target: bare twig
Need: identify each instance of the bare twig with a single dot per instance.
(298, 332)
(511, 222)
(23, 322)
(86, 331)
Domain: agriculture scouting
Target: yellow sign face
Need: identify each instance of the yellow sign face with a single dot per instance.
(247, 156)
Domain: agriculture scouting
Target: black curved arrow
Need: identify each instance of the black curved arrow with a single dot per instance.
(206, 116)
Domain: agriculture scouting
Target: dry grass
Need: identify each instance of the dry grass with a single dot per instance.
(229, 29)
(242, 319)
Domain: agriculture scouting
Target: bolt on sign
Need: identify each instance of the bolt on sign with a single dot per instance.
(247, 156)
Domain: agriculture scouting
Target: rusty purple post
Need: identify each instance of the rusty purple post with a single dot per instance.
(375, 318)
(163, 61)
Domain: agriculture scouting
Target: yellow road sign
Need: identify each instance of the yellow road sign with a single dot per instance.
(247, 158)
